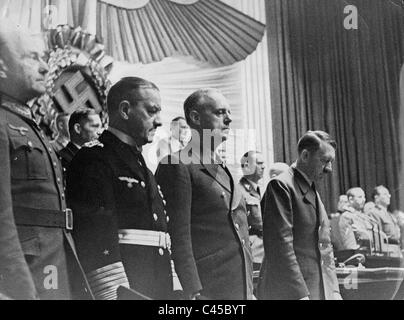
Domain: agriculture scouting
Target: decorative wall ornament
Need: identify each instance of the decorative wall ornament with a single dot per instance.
(208, 30)
(137, 4)
(145, 31)
(78, 67)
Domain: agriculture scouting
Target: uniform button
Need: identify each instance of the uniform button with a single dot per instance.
(58, 180)
(155, 217)
(237, 226)
(55, 164)
(168, 219)
(243, 242)
(164, 202)
(161, 252)
(30, 144)
(165, 212)
(143, 184)
(223, 195)
(63, 196)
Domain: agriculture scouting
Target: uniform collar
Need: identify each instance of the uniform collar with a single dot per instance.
(308, 180)
(125, 138)
(16, 106)
(250, 184)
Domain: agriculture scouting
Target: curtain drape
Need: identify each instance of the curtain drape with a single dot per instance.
(346, 82)
(177, 78)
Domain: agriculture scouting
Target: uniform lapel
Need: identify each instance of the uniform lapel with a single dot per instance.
(308, 193)
(321, 210)
(219, 175)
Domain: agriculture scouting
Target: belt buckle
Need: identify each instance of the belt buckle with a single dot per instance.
(69, 219)
(168, 241)
(162, 240)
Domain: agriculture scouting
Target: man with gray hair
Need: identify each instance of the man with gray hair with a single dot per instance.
(208, 222)
(35, 221)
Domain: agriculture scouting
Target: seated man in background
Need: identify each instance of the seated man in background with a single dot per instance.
(399, 216)
(342, 206)
(354, 227)
(84, 126)
(387, 222)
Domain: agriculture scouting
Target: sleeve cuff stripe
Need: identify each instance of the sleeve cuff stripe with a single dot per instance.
(110, 294)
(105, 269)
(106, 274)
(97, 286)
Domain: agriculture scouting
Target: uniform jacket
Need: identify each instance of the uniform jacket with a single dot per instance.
(32, 183)
(388, 223)
(299, 256)
(254, 216)
(355, 231)
(110, 189)
(67, 154)
(208, 227)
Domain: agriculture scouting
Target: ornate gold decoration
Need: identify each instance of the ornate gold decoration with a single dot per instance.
(71, 47)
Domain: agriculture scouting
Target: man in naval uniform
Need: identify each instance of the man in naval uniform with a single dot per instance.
(36, 248)
(120, 217)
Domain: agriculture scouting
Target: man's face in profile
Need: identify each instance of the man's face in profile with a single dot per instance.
(91, 128)
(320, 161)
(144, 116)
(216, 116)
(26, 76)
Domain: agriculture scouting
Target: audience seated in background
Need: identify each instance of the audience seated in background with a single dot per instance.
(354, 228)
(399, 215)
(342, 206)
(386, 221)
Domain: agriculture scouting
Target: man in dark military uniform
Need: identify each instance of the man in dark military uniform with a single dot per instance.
(120, 218)
(84, 127)
(32, 199)
(208, 215)
(252, 164)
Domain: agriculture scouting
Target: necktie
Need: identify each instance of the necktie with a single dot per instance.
(259, 191)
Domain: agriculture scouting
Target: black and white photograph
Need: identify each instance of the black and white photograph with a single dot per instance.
(207, 155)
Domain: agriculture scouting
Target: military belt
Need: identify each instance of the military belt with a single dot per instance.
(43, 218)
(150, 238)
